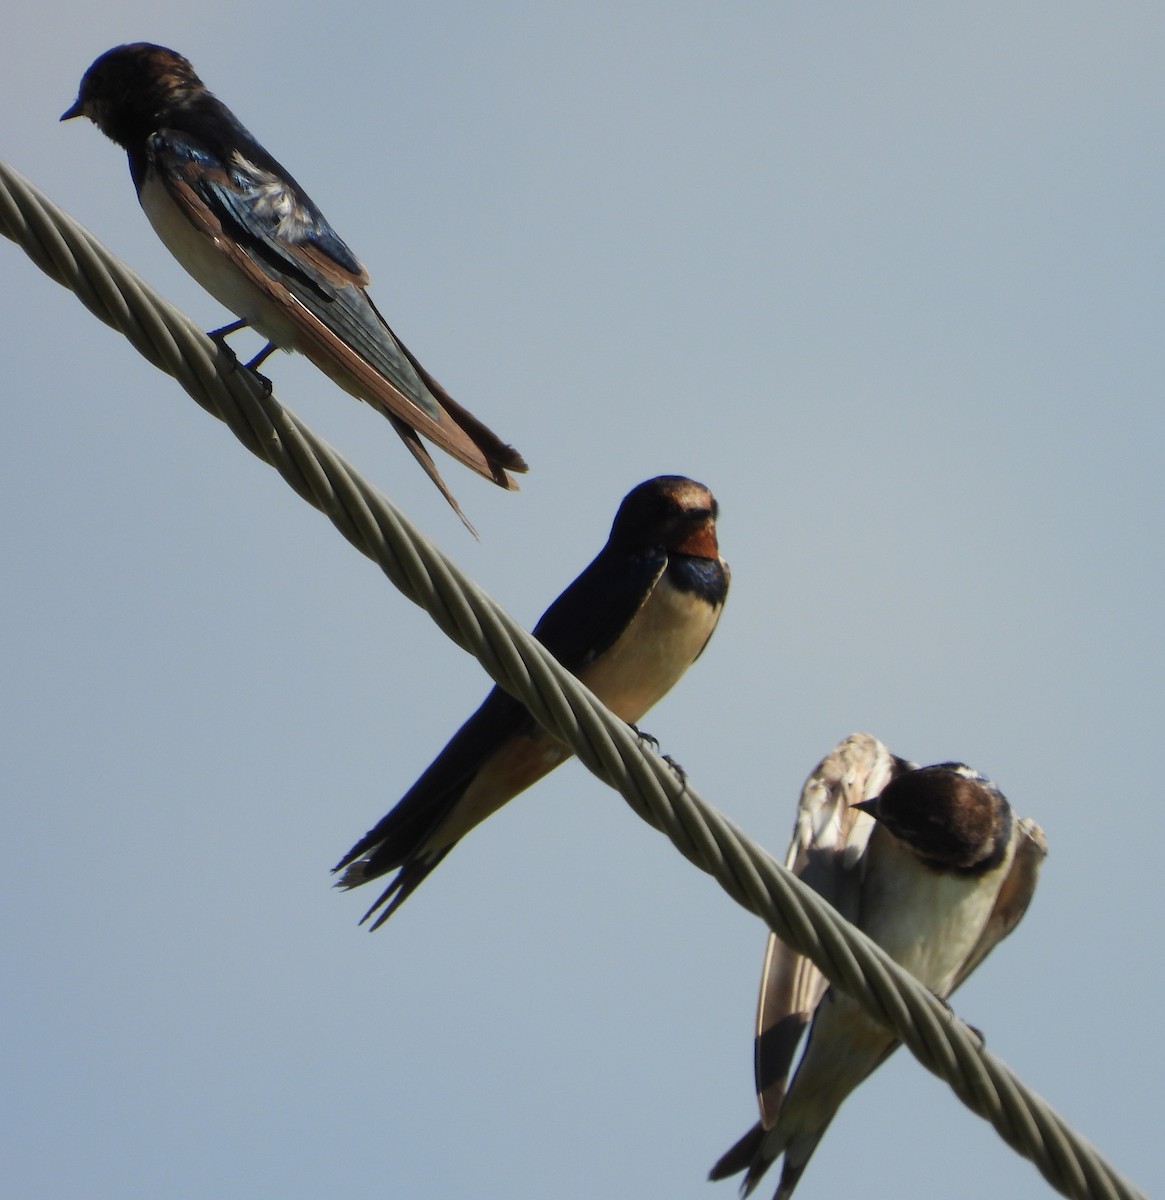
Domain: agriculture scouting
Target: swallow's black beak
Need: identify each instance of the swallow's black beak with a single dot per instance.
(868, 806)
(75, 110)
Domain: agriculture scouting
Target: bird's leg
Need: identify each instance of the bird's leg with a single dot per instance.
(262, 357)
(257, 361)
(220, 335)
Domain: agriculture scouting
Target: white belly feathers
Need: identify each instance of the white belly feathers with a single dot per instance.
(212, 266)
(667, 634)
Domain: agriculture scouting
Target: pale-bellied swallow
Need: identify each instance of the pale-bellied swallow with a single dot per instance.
(246, 231)
(932, 864)
(629, 626)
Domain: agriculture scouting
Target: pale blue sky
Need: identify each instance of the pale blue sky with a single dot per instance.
(888, 278)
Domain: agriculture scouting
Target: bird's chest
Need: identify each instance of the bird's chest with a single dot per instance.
(648, 658)
(927, 921)
(205, 256)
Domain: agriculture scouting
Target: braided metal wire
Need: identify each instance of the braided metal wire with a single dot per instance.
(606, 746)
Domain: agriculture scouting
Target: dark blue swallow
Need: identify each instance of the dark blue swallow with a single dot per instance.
(933, 865)
(629, 626)
(242, 226)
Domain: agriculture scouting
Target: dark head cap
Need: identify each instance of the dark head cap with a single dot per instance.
(672, 512)
(953, 818)
(127, 92)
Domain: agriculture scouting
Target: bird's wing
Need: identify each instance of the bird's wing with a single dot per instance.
(1014, 896)
(828, 843)
(285, 248)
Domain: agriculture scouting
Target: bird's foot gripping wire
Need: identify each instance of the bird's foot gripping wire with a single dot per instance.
(652, 743)
(219, 337)
(954, 1016)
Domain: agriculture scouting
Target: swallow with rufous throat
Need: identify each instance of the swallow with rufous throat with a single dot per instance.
(628, 627)
(241, 225)
(929, 862)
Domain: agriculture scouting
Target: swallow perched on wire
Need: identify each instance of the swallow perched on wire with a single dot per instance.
(931, 863)
(629, 626)
(241, 225)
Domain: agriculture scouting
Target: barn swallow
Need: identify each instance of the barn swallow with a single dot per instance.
(931, 863)
(629, 626)
(241, 225)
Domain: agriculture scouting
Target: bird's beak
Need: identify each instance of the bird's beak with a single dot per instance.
(77, 109)
(868, 806)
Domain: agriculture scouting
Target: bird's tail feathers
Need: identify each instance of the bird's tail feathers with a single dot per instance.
(745, 1155)
(405, 882)
(417, 448)
(500, 456)
(797, 1155)
(760, 1148)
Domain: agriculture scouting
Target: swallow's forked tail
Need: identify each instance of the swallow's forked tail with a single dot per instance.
(760, 1148)
(408, 878)
(409, 436)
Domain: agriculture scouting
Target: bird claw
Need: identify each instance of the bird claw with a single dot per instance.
(973, 1030)
(652, 743)
(267, 385)
(219, 337)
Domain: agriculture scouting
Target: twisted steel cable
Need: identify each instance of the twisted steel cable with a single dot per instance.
(610, 749)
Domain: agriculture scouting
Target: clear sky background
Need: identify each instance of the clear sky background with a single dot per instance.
(888, 278)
